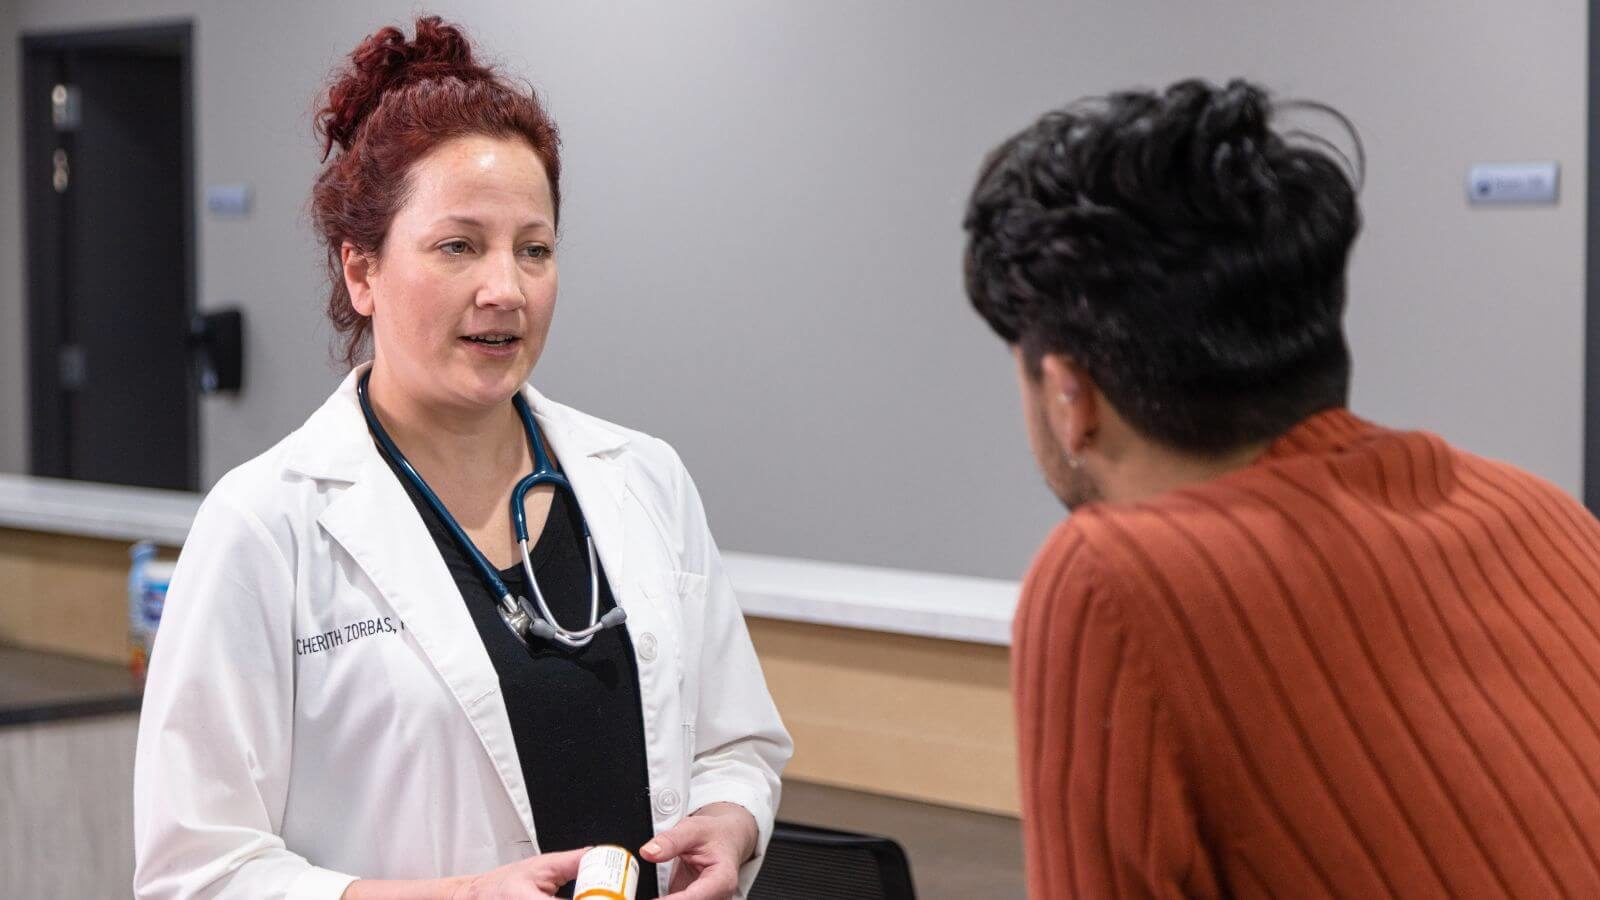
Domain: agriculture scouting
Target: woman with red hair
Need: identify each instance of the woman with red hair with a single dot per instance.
(392, 662)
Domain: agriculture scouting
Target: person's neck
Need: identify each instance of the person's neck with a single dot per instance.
(1158, 470)
(451, 447)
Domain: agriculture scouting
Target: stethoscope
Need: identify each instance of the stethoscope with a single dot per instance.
(516, 612)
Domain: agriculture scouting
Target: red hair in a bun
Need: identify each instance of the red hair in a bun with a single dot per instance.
(389, 107)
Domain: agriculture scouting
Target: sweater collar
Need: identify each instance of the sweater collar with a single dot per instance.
(1327, 431)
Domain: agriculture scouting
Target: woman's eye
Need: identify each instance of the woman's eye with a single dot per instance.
(453, 248)
(536, 251)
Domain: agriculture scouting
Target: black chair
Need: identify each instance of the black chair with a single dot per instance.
(804, 862)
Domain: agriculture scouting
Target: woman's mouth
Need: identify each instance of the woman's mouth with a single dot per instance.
(493, 343)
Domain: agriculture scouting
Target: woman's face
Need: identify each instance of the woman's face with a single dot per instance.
(463, 291)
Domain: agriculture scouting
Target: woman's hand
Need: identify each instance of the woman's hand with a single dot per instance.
(528, 879)
(709, 845)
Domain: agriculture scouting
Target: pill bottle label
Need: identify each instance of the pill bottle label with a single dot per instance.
(607, 872)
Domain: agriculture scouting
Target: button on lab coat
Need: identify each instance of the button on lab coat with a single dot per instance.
(320, 706)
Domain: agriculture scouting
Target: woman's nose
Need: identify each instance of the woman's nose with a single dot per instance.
(502, 286)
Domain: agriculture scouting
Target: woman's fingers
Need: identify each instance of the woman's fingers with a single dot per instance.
(673, 842)
(556, 869)
(718, 881)
(707, 863)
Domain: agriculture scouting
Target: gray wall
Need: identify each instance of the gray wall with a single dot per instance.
(760, 249)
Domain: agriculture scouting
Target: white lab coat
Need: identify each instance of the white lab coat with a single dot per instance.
(320, 706)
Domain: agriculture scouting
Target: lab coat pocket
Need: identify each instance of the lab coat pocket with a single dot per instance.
(688, 755)
(667, 639)
(691, 587)
(492, 856)
(686, 593)
(689, 594)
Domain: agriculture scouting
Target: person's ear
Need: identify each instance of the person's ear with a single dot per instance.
(358, 272)
(1071, 403)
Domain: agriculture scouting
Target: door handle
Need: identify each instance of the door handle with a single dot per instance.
(73, 367)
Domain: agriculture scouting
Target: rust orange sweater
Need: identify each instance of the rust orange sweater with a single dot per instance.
(1366, 666)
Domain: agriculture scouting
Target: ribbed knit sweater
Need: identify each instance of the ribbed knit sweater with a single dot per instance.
(1367, 665)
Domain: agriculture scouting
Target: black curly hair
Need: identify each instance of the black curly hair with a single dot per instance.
(1183, 252)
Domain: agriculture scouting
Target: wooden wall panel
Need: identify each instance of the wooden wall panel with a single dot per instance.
(904, 716)
(65, 594)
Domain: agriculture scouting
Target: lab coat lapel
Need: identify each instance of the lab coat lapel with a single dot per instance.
(375, 521)
(600, 489)
(593, 462)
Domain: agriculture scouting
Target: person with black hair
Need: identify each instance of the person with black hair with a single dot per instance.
(1275, 650)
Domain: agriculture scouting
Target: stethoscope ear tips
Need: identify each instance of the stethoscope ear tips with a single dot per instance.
(537, 627)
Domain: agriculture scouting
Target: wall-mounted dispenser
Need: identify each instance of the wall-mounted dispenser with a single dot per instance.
(216, 340)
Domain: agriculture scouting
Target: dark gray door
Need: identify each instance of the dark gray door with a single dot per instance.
(107, 180)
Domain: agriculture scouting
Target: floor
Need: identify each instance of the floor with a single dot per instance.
(955, 854)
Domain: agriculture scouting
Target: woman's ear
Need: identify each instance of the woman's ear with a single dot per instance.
(1071, 402)
(358, 272)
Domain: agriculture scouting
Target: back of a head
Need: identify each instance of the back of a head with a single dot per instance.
(1187, 255)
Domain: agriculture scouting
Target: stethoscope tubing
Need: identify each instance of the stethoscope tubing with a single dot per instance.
(515, 611)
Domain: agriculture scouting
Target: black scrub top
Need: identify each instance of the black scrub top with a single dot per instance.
(575, 714)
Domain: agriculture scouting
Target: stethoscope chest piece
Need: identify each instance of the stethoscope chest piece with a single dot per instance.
(517, 619)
